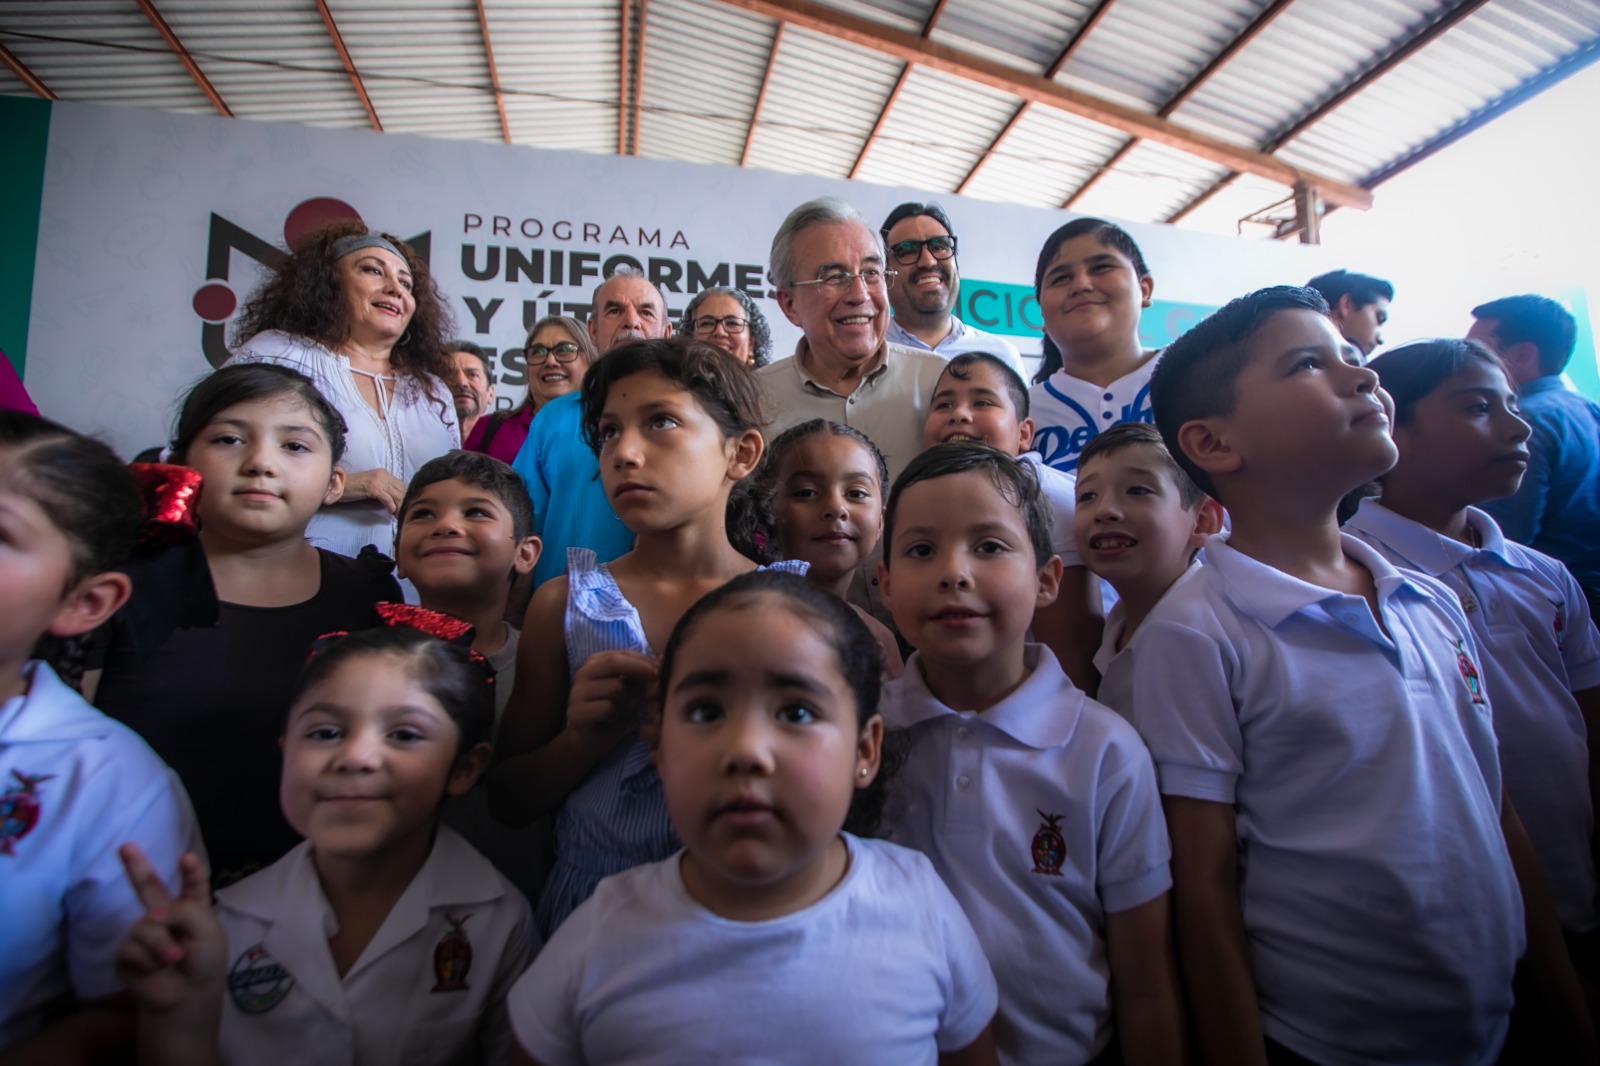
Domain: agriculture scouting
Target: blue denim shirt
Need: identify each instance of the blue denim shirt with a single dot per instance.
(1557, 509)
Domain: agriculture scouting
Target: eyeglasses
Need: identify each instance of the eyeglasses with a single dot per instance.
(838, 281)
(732, 325)
(565, 352)
(908, 252)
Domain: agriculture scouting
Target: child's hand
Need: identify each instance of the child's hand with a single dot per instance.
(606, 691)
(176, 955)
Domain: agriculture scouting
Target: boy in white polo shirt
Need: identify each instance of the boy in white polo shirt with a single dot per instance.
(1462, 443)
(1036, 804)
(1343, 892)
(1139, 523)
(979, 397)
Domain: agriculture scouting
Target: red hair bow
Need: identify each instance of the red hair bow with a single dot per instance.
(171, 503)
(446, 627)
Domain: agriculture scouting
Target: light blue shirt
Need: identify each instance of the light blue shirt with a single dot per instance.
(1557, 509)
(570, 509)
(961, 338)
(1383, 917)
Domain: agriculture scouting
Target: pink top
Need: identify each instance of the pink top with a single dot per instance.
(13, 397)
(507, 440)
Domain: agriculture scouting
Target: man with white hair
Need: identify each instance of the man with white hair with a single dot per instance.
(828, 268)
(570, 509)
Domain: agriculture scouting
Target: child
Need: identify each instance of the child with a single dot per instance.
(1037, 805)
(774, 936)
(1140, 523)
(979, 397)
(1343, 890)
(675, 424)
(466, 535)
(383, 937)
(73, 784)
(1092, 283)
(1461, 443)
(202, 661)
(825, 482)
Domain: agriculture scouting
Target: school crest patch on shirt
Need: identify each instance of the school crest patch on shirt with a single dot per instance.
(1560, 622)
(452, 958)
(258, 982)
(1469, 672)
(20, 809)
(1049, 846)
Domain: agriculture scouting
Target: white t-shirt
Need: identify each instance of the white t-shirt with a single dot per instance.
(1383, 917)
(1042, 815)
(883, 969)
(420, 426)
(1539, 645)
(429, 989)
(74, 787)
(1061, 489)
(1068, 412)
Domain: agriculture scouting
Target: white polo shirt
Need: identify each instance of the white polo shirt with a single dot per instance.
(1068, 412)
(1539, 645)
(429, 989)
(74, 787)
(1383, 917)
(962, 338)
(1061, 489)
(1116, 667)
(1042, 815)
(889, 404)
(883, 969)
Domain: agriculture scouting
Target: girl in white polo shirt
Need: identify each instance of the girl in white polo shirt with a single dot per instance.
(1461, 443)
(384, 937)
(73, 783)
(774, 936)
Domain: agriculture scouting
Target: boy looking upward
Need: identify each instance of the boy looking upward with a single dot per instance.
(1343, 891)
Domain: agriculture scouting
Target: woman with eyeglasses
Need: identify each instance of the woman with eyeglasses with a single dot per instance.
(730, 320)
(558, 353)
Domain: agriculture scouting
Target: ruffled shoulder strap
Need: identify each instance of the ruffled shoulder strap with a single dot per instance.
(798, 567)
(592, 591)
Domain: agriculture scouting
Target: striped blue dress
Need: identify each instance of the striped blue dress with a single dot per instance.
(616, 819)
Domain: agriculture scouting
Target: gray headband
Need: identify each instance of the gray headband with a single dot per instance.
(357, 241)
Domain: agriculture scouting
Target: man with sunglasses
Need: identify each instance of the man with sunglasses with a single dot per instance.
(830, 279)
(922, 249)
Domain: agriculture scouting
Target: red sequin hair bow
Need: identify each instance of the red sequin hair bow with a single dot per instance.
(171, 503)
(446, 627)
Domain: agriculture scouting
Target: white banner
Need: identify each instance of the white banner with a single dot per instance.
(154, 228)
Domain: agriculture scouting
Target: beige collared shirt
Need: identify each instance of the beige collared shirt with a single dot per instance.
(889, 403)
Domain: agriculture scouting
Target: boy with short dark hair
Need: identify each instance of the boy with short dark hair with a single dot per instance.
(1358, 305)
(466, 535)
(1037, 805)
(979, 397)
(1140, 522)
(1342, 887)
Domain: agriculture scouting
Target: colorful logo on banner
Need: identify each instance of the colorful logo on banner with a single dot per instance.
(215, 301)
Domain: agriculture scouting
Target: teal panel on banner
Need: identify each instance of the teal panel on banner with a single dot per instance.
(24, 130)
(1012, 311)
(1584, 369)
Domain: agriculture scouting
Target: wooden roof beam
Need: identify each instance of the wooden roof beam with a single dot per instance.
(494, 75)
(761, 97)
(625, 13)
(28, 77)
(184, 57)
(638, 76)
(894, 94)
(349, 66)
(911, 48)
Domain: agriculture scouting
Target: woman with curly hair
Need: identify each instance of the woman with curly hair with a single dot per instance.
(358, 313)
(731, 320)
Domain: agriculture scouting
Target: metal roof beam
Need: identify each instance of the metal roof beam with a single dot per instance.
(184, 57)
(1426, 36)
(29, 78)
(913, 49)
(1235, 46)
(349, 66)
(494, 75)
(761, 97)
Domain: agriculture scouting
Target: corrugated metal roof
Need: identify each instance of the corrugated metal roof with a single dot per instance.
(101, 52)
(704, 64)
(269, 59)
(702, 119)
(823, 98)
